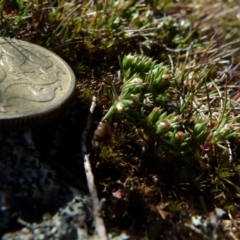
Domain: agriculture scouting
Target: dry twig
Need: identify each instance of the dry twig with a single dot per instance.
(99, 223)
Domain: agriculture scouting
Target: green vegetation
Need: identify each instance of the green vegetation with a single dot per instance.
(166, 76)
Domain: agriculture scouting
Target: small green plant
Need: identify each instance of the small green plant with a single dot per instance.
(150, 98)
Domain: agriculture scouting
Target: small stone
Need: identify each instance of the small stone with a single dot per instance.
(220, 212)
(197, 221)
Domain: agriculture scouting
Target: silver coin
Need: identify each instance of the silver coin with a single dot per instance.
(35, 84)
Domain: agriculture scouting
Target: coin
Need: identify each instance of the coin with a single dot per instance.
(35, 84)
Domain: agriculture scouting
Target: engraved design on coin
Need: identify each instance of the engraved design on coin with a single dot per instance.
(35, 85)
(26, 75)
